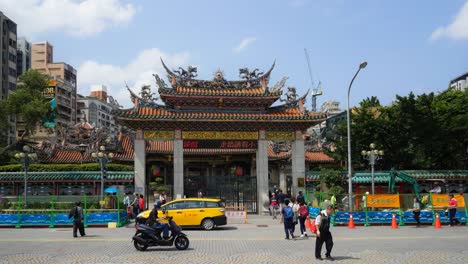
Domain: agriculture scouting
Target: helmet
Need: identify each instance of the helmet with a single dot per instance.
(157, 204)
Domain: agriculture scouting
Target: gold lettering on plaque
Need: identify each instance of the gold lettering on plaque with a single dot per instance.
(231, 135)
(280, 135)
(166, 135)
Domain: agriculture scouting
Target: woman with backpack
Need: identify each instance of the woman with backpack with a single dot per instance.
(303, 214)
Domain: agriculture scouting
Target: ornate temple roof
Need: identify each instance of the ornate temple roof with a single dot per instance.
(186, 78)
(126, 152)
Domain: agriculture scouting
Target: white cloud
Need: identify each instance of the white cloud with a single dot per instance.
(244, 43)
(136, 73)
(75, 17)
(458, 29)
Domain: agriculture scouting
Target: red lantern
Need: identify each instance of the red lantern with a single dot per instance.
(239, 171)
(156, 172)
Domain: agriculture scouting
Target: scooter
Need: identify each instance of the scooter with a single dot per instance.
(147, 236)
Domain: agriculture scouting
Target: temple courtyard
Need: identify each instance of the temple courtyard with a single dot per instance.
(259, 241)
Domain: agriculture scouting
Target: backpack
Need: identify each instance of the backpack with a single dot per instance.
(288, 212)
(303, 211)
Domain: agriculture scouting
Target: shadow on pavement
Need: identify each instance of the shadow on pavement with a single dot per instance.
(167, 249)
(343, 257)
(214, 230)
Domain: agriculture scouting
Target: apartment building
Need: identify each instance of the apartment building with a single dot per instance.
(62, 90)
(8, 38)
(96, 110)
(23, 57)
(460, 83)
(331, 108)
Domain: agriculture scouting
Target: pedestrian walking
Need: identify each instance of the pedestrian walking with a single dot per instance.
(281, 200)
(303, 215)
(273, 206)
(78, 217)
(300, 198)
(453, 204)
(416, 211)
(323, 234)
(141, 203)
(295, 206)
(135, 205)
(287, 219)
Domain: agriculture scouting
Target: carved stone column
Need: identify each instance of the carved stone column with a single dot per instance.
(178, 165)
(298, 161)
(282, 178)
(140, 163)
(262, 173)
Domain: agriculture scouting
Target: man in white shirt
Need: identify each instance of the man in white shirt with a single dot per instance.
(322, 222)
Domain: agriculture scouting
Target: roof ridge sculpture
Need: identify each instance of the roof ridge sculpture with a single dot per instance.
(185, 78)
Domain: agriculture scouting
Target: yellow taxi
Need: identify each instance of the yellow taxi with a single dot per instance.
(206, 213)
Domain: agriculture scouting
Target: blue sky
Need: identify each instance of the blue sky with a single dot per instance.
(410, 45)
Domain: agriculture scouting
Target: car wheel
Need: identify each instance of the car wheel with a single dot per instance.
(208, 224)
(181, 242)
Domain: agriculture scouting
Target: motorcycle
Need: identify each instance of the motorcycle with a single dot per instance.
(147, 236)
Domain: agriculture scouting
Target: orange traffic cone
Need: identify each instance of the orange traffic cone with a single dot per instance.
(437, 222)
(307, 223)
(351, 221)
(394, 223)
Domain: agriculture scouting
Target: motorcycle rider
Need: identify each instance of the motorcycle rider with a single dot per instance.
(153, 220)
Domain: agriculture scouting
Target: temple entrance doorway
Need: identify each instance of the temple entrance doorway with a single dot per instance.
(230, 182)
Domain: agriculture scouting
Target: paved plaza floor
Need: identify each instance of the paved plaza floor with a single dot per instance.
(259, 241)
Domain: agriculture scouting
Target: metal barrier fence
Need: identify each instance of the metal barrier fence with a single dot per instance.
(54, 210)
(380, 209)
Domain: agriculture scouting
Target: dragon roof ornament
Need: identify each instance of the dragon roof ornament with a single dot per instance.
(147, 99)
(185, 78)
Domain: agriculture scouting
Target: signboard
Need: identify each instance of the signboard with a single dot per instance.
(49, 121)
(280, 135)
(383, 200)
(159, 135)
(220, 144)
(49, 92)
(442, 200)
(225, 135)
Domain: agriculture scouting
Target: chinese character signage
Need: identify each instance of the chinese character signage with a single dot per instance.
(383, 200)
(226, 135)
(280, 135)
(159, 135)
(442, 200)
(220, 144)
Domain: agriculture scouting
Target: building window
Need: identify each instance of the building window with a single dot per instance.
(93, 113)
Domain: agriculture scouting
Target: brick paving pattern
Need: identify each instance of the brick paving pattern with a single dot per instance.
(239, 244)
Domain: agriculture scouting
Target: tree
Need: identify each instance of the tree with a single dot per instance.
(27, 102)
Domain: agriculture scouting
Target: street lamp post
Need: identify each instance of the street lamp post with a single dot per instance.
(103, 158)
(350, 184)
(372, 155)
(26, 157)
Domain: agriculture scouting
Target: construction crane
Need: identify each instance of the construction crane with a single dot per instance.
(315, 90)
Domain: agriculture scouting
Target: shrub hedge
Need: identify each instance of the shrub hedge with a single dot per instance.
(66, 167)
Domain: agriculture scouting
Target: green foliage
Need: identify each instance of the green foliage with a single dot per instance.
(332, 179)
(158, 185)
(27, 102)
(416, 132)
(66, 167)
